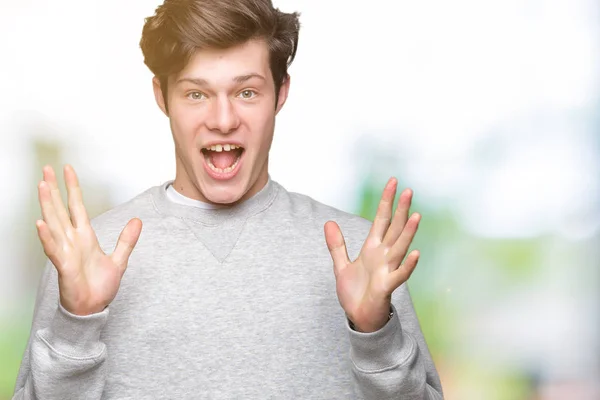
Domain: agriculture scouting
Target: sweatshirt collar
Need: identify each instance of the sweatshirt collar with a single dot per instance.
(255, 204)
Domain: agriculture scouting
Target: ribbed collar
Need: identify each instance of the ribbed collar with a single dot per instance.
(257, 203)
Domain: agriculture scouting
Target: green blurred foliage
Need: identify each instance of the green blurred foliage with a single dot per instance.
(435, 228)
(449, 254)
(15, 330)
(13, 339)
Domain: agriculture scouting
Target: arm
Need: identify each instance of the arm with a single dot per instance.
(64, 358)
(394, 362)
(390, 359)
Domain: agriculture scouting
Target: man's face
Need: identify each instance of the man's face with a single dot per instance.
(223, 98)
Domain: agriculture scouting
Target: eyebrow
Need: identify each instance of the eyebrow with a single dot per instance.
(237, 79)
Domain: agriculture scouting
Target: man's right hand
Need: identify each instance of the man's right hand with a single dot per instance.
(88, 279)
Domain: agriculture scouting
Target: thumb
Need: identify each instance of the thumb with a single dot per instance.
(337, 246)
(127, 241)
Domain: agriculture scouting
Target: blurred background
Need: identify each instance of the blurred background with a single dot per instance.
(489, 110)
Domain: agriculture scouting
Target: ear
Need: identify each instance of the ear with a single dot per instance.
(158, 95)
(283, 93)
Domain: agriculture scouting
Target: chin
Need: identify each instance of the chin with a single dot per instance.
(225, 196)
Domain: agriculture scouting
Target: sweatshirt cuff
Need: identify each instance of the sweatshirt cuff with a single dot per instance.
(382, 349)
(75, 336)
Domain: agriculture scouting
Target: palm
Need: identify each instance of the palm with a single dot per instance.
(360, 283)
(364, 286)
(88, 279)
(88, 273)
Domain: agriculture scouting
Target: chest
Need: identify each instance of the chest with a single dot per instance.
(266, 319)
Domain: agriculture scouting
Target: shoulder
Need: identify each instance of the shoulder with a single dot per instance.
(109, 224)
(304, 210)
(303, 204)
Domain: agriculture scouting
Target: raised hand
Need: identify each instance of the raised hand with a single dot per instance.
(88, 279)
(365, 286)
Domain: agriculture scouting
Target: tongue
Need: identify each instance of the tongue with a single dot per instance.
(223, 159)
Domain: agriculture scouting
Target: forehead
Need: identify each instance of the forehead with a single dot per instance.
(213, 64)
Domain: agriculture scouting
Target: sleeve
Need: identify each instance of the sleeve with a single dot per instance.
(394, 362)
(64, 357)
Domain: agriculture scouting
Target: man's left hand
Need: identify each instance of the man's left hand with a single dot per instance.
(365, 286)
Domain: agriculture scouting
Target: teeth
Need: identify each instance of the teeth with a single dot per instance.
(225, 147)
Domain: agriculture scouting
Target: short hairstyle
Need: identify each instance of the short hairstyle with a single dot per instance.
(181, 27)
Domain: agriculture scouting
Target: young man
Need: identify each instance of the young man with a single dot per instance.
(229, 291)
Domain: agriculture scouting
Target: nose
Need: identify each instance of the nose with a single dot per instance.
(222, 116)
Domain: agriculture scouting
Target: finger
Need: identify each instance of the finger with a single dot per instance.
(401, 275)
(127, 241)
(59, 207)
(79, 216)
(337, 246)
(51, 249)
(381, 222)
(400, 248)
(49, 213)
(400, 218)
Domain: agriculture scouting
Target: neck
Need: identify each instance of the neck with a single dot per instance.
(215, 216)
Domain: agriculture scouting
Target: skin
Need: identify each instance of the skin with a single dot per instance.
(224, 94)
(365, 286)
(88, 279)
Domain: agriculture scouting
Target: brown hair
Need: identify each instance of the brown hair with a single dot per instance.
(180, 27)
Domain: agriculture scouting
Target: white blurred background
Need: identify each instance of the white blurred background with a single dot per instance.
(489, 110)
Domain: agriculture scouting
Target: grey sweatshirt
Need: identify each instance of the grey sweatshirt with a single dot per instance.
(231, 303)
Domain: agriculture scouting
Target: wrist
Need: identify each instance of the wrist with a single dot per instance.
(81, 309)
(373, 327)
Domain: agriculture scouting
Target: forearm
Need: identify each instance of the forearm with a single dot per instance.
(66, 359)
(387, 364)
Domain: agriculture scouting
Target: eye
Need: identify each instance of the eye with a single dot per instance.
(247, 94)
(196, 95)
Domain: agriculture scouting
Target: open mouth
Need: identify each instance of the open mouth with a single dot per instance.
(222, 159)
